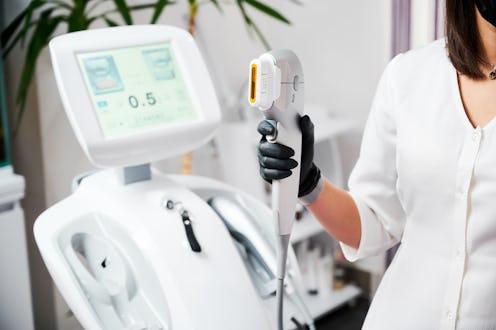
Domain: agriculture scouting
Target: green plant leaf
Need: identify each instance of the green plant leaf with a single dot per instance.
(96, 4)
(6, 50)
(9, 31)
(260, 36)
(59, 4)
(143, 6)
(39, 39)
(24, 16)
(131, 8)
(251, 25)
(246, 18)
(267, 10)
(217, 5)
(243, 12)
(110, 22)
(24, 19)
(33, 5)
(124, 11)
(158, 9)
(77, 20)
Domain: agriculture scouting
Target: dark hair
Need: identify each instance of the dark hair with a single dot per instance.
(462, 38)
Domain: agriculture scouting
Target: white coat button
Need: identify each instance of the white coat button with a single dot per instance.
(449, 315)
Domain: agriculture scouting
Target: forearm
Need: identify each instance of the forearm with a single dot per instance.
(337, 212)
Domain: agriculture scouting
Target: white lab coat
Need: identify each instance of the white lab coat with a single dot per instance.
(427, 178)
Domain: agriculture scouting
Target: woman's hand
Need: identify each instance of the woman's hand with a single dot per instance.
(276, 162)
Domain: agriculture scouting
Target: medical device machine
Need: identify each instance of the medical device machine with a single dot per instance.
(276, 88)
(136, 249)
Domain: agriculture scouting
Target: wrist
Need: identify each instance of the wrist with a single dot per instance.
(314, 194)
(309, 181)
(311, 186)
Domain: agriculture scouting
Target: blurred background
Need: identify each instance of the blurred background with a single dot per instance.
(343, 46)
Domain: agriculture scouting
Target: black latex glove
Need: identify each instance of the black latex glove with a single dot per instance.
(276, 162)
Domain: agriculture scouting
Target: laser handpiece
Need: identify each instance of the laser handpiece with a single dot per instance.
(276, 88)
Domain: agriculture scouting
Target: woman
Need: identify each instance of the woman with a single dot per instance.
(426, 177)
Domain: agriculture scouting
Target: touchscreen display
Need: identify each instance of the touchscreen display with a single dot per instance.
(137, 88)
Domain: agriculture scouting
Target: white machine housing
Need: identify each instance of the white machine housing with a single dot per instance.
(142, 146)
(121, 253)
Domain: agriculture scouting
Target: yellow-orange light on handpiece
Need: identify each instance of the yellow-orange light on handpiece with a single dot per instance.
(253, 83)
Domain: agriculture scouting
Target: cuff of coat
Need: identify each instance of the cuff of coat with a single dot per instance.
(313, 195)
(370, 230)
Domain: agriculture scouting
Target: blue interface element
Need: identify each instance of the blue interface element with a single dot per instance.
(159, 62)
(103, 75)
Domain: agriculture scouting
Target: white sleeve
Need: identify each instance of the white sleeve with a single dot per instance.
(372, 182)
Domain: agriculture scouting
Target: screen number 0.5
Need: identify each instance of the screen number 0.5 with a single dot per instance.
(135, 103)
